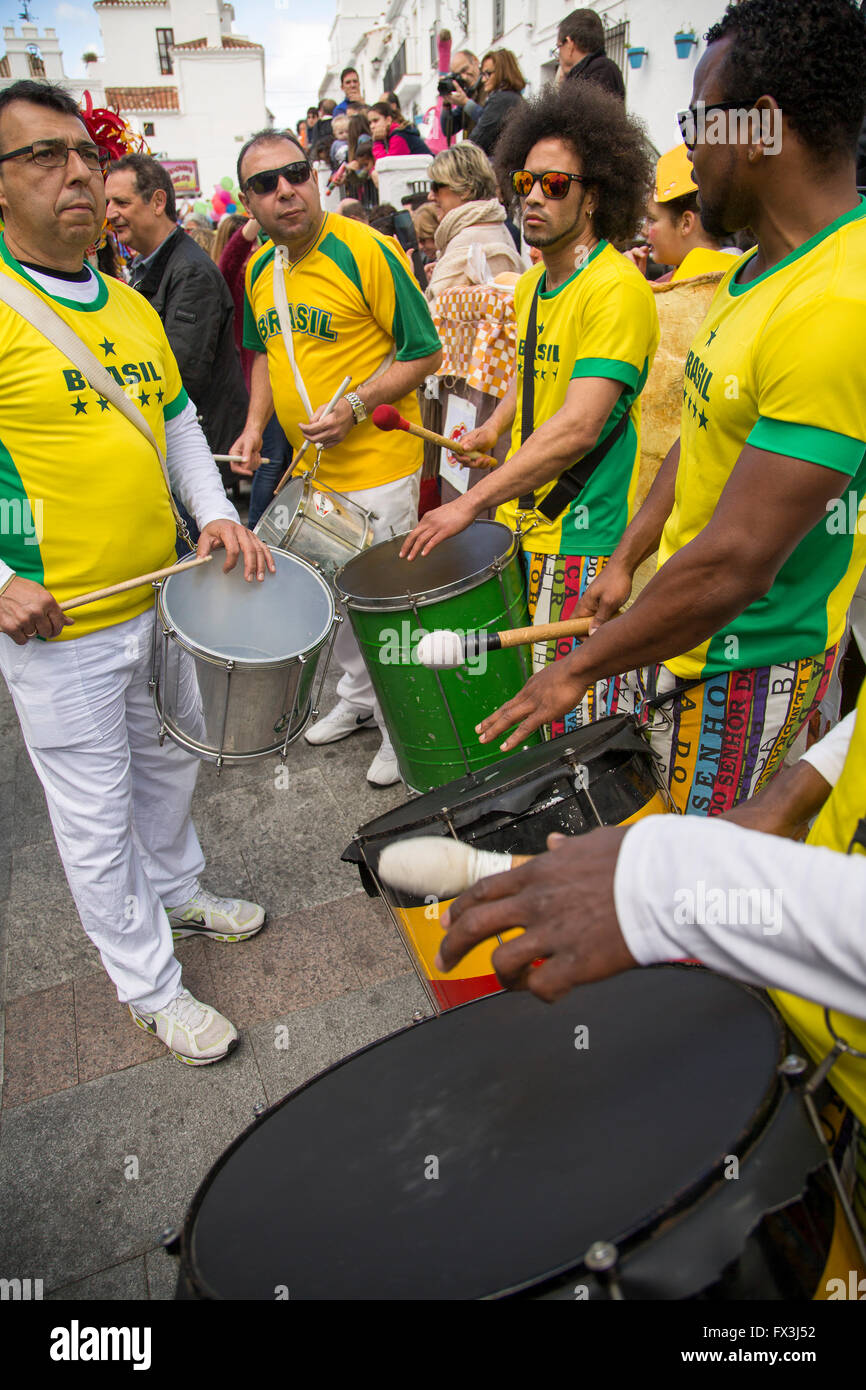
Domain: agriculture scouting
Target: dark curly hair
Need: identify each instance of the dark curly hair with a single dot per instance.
(612, 147)
(810, 55)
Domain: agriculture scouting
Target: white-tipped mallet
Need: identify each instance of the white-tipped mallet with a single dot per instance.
(444, 649)
(436, 864)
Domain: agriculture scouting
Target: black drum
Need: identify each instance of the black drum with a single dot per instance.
(629, 1142)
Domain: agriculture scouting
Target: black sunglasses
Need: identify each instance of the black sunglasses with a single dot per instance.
(688, 120)
(267, 180)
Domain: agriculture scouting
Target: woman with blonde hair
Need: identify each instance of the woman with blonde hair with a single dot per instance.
(501, 84)
(463, 187)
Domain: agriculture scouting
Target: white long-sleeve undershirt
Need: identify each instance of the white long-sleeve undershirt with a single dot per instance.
(766, 910)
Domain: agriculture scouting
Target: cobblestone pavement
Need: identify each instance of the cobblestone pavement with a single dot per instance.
(84, 1092)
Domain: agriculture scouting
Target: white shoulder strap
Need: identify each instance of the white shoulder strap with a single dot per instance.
(58, 332)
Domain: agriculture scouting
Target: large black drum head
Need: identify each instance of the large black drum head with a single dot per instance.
(488, 1147)
(378, 574)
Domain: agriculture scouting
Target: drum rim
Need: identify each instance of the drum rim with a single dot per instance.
(758, 1126)
(273, 502)
(627, 736)
(400, 603)
(274, 663)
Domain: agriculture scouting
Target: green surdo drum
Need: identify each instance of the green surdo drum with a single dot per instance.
(469, 582)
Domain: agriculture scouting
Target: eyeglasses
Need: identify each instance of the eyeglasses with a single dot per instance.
(435, 187)
(54, 154)
(689, 120)
(553, 183)
(268, 179)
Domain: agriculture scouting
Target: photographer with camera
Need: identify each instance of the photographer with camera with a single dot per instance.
(462, 96)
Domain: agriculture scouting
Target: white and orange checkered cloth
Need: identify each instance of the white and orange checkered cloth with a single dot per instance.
(479, 336)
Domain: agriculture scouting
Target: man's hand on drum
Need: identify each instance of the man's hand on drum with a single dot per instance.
(28, 610)
(546, 696)
(247, 446)
(326, 429)
(436, 526)
(605, 596)
(563, 900)
(237, 541)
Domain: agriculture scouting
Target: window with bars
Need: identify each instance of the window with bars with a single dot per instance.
(498, 19)
(396, 69)
(164, 41)
(616, 43)
(434, 50)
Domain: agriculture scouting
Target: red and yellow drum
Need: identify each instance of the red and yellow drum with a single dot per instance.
(604, 774)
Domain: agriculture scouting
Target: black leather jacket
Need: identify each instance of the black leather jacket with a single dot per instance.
(187, 290)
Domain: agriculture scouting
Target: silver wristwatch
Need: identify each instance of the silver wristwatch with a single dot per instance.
(359, 410)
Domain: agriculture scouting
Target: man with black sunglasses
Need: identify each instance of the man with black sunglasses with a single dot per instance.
(355, 310)
(587, 331)
(90, 509)
(757, 512)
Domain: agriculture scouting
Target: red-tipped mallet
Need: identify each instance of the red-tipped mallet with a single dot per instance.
(388, 417)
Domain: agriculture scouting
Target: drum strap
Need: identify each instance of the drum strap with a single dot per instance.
(572, 482)
(46, 321)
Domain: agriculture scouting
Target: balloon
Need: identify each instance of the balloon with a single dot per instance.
(231, 207)
(226, 182)
(222, 196)
(201, 206)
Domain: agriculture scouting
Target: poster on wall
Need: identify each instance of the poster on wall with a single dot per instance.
(184, 175)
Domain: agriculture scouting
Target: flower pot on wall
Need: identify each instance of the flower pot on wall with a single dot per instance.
(684, 43)
(636, 56)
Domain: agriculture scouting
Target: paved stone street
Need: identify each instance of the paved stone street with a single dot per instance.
(84, 1091)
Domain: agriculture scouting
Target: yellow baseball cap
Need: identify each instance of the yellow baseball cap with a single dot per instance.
(674, 175)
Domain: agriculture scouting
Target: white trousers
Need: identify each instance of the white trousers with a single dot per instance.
(396, 508)
(119, 804)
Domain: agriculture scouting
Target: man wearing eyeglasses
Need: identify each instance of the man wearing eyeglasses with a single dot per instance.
(90, 509)
(355, 310)
(587, 331)
(462, 96)
(757, 512)
(580, 51)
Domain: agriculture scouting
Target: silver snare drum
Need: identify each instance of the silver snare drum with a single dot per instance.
(323, 526)
(234, 663)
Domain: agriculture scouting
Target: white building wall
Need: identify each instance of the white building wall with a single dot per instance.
(129, 45)
(655, 92)
(212, 129)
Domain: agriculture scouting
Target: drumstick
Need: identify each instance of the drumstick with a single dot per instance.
(233, 458)
(387, 417)
(444, 649)
(441, 866)
(340, 392)
(134, 583)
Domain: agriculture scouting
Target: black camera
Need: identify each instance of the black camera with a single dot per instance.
(445, 86)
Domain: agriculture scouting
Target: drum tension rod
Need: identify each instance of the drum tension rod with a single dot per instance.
(602, 1259)
(794, 1068)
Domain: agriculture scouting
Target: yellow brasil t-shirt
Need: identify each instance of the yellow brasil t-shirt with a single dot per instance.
(703, 260)
(835, 828)
(83, 503)
(776, 364)
(601, 323)
(353, 300)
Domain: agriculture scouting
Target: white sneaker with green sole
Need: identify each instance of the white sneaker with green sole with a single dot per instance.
(222, 919)
(193, 1032)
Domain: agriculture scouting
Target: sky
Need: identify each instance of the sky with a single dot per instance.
(296, 52)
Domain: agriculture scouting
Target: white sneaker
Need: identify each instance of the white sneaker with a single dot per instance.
(342, 721)
(193, 1033)
(223, 919)
(383, 770)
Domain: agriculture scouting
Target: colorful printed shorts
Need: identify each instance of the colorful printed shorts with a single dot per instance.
(720, 740)
(554, 586)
